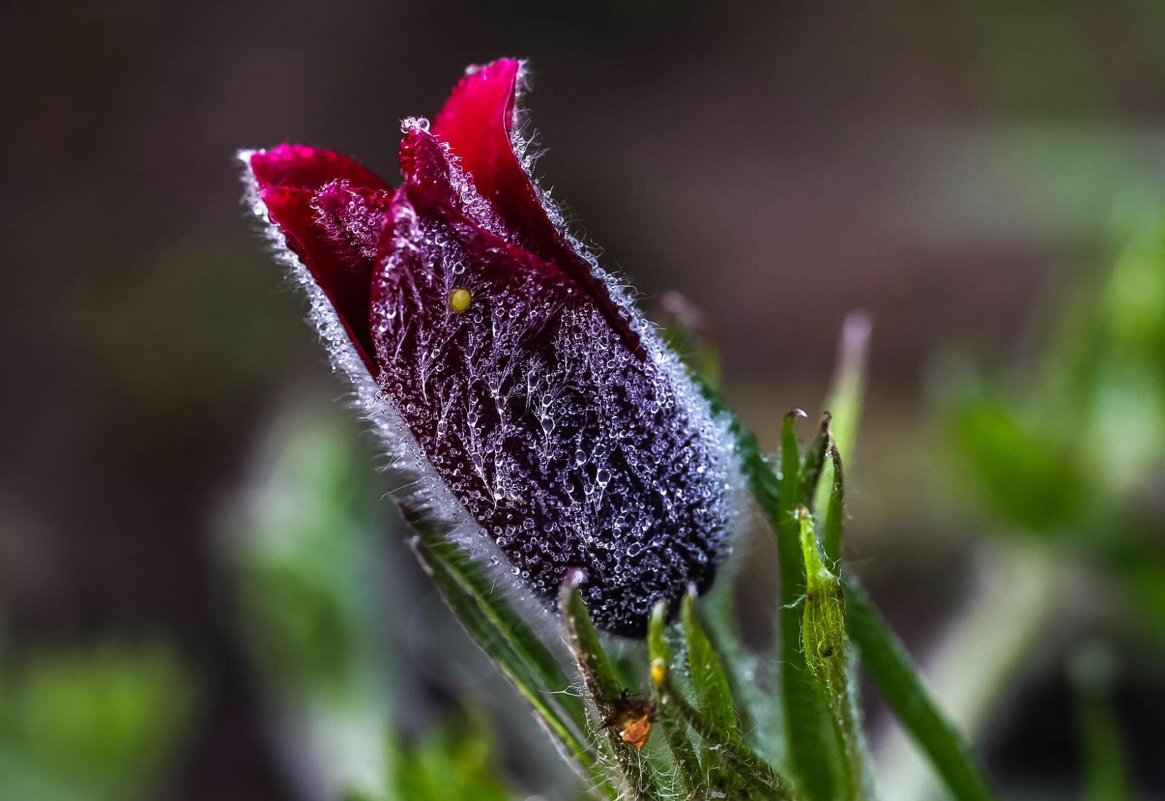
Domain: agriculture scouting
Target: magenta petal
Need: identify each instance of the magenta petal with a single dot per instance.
(476, 123)
(334, 228)
(309, 168)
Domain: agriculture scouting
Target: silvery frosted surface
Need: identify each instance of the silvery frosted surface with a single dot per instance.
(545, 427)
(564, 445)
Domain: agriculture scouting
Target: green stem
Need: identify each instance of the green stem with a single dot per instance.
(892, 670)
(751, 767)
(1023, 585)
(687, 764)
(603, 688)
(1105, 764)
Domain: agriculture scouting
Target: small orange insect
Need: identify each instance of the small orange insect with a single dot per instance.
(632, 717)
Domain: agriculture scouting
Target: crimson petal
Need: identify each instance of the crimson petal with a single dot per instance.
(477, 123)
(309, 168)
(332, 212)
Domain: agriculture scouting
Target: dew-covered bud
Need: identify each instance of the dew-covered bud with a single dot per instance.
(517, 388)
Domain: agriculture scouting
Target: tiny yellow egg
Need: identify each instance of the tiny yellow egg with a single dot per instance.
(459, 299)
(658, 672)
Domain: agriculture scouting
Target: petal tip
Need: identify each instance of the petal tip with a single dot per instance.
(306, 167)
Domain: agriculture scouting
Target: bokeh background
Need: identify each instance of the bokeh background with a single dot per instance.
(962, 172)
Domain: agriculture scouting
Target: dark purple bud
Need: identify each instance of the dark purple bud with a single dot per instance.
(512, 378)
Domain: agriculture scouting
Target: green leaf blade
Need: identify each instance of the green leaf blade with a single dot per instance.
(826, 650)
(809, 731)
(897, 679)
(688, 774)
(709, 682)
(519, 637)
(443, 561)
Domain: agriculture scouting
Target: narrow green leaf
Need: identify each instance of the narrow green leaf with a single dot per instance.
(520, 638)
(826, 649)
(814, 462)
(712, 693)
(844, 401)
(833, 523)
(709, 682)
(604, 691)
(718, 621)
(588, 649)
(675, 729)
(436, 558)
(891, 668)
(809, 729)
(745, 762)
(897, 679)
(1105, 765)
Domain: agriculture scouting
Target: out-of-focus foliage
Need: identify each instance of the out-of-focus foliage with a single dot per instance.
(1071, 450)
(97, 724)
(312, 572)
(1105, 768)
(1062, 464)
(309, 558)
(455, 762)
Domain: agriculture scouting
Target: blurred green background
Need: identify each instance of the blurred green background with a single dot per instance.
(203, 591)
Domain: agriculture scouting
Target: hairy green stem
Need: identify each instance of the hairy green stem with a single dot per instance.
(809, 730)
(826, 651)
(603, 688)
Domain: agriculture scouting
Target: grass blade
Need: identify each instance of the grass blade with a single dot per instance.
(897, 679)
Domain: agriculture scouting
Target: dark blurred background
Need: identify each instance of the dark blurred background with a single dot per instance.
(948, 168)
